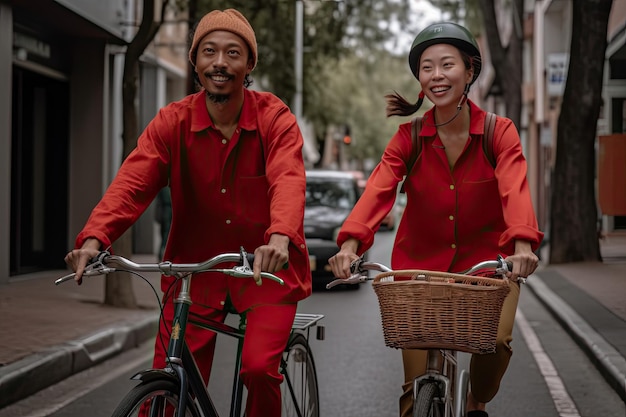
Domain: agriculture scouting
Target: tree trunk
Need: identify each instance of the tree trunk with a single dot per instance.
(574, 217)
(118, 285)
(192, 11)
(507, 61)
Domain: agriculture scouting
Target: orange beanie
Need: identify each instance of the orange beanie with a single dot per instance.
(229, 20)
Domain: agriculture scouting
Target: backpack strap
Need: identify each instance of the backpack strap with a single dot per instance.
(416, 127)
(488, 141)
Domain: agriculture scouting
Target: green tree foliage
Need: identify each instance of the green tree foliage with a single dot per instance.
(331, 28)
(354, 88)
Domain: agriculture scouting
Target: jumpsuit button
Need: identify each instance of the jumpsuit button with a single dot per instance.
(452, 186)
(223, 190)
(222, 303)
(302, 246)
(228, 221)
(224, 141)
(451, 217)
(453, 246)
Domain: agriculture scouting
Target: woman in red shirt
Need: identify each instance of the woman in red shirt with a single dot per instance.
(460, 210)
(232, 159)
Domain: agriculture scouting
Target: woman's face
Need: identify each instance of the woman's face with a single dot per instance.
(443, 75)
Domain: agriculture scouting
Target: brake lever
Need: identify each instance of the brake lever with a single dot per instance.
(101, 270)
(353, 280)
(358, 276)
(355, 266)
(504, 267)
(246, 272)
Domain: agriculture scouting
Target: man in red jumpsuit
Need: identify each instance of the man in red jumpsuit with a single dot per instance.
(232, 158)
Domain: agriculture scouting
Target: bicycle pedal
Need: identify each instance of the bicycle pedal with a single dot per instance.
(321, 332)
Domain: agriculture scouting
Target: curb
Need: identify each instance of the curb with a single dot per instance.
(33, 373)
(604, 356)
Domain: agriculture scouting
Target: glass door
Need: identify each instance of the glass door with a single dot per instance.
(39, 172)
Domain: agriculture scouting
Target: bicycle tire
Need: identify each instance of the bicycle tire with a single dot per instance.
(300, 379)
(166, 393)
(425, 404)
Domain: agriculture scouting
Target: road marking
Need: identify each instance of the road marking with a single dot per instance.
(564, 404)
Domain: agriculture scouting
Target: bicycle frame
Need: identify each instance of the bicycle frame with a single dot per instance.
(181, 360)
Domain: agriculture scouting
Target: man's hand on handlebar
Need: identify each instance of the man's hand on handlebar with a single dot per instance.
(78, 259)
(271, 257)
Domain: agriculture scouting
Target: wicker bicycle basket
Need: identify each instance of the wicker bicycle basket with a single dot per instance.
(437, 310)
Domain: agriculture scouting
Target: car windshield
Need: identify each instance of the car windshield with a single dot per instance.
(330, 192)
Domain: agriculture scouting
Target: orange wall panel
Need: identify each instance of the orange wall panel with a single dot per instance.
(612, 174)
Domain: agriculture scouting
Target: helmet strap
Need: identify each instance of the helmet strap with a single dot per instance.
(458, 110)
(458, 107)
(463, 97)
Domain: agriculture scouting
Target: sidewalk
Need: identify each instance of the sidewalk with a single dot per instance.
(589, 301)
(51, 332)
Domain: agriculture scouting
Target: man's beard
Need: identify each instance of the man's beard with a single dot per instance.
(218, 98)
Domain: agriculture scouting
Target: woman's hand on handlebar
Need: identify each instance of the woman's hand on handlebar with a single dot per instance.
(524, 260)
(271, 257)
(78, 259)
(341, 262)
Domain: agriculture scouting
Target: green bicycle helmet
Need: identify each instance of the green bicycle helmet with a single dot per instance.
(445, 32)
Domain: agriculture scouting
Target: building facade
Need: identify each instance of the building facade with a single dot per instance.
(548, 26)
(61, 65)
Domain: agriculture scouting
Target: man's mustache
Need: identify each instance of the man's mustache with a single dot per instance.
(218, 72)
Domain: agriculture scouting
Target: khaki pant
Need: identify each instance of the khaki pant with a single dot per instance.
(486, 371)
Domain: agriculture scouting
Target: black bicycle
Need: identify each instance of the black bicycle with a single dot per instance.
(178, 389)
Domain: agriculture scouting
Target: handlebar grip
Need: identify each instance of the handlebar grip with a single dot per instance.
(250, 257)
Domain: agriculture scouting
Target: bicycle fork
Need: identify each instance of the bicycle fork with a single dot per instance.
(440, 368)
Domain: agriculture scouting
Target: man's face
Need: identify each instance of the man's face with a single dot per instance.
(222, 63)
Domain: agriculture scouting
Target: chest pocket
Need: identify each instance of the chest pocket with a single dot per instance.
(250, 185)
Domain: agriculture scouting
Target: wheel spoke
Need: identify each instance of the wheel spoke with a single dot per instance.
(299, 389)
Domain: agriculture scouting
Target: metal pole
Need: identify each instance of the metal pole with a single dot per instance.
(297, 100)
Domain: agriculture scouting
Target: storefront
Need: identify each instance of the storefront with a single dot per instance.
(54, 82)
(39, 149)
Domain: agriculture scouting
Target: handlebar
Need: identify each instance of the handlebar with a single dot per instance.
(360, 267)
(106, 263)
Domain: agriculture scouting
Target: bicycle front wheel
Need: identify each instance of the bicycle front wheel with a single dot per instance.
(428, 402)
(157, 398)
(300, 396)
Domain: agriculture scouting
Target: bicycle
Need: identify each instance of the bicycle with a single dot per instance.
(179, 386)
(442, 390)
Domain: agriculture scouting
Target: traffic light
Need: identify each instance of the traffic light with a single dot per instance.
(347, 139)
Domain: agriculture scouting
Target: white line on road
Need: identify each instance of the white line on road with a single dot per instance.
(564, 404)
